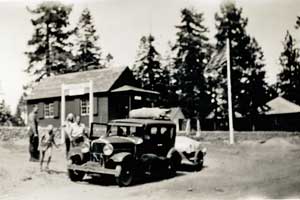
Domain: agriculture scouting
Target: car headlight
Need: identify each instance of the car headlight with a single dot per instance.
(108, 149)
(85, 149)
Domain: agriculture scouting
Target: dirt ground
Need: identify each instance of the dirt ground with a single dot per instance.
(247, 170)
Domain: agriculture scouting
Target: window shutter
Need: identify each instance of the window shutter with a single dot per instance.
(41, 110)
(56, 108)
(95, 101)
(77, 105)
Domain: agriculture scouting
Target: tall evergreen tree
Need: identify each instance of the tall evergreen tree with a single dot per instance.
(87, 53)
(5, 114)
(20, 111)
(149, 70)
(192, 53)
(249, 89)
(49, 47)
(289, 82)
(147, 67)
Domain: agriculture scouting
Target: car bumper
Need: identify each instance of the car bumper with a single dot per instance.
(93, 167)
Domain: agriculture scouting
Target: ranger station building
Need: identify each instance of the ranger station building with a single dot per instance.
(112, 92)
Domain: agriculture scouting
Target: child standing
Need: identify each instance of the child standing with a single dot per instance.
(46, 144)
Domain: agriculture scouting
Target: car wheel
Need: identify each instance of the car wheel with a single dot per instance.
(75, 175)
(199, 161)
(125, 177)
(174, 164)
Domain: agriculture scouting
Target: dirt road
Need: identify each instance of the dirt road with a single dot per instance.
(248, 170)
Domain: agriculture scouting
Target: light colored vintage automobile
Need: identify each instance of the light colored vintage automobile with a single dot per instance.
(191, 151)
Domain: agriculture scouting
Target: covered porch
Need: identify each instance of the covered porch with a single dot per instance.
(126, 98)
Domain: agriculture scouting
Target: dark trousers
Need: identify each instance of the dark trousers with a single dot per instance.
(68, 144)
(33, 148)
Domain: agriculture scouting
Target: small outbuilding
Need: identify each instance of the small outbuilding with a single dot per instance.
(176, 115)
(282, 115)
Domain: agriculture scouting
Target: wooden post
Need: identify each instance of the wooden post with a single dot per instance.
(229, 93)
(188, 127)
(129, 104)
(198, 134)
(62, 112)
(91, 100)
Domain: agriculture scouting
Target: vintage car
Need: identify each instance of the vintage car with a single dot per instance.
(126, 148)
(191, 151)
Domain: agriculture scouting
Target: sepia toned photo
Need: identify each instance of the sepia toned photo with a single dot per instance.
(149, 99)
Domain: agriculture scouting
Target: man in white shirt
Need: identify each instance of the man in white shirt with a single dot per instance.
(78, 131)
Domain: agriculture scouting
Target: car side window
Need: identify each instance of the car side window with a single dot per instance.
(154, 131)
(164, 130)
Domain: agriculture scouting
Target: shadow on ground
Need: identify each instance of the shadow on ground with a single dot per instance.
(139, 180)
(106, 180)
(55, 172)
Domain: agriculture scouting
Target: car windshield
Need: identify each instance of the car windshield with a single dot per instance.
(119, 130)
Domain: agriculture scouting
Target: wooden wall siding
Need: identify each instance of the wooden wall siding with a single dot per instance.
(44, 121)
(72, 106)
(102, 110)
(118, 106)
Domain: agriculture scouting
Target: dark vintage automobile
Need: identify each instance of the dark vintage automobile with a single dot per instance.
(126, 148)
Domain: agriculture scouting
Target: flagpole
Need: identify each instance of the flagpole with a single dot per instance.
(229, 92)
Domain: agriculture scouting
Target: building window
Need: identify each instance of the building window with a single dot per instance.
(49, 110)
(85, 107)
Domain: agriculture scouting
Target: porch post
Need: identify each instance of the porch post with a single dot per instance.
(91, 100)
(129, 106)
(62, 112)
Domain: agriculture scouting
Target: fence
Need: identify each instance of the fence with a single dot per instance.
(13, 132)
(279, 122)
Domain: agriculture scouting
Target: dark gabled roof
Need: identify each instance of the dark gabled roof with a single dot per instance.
(127, 88)
(103, 80)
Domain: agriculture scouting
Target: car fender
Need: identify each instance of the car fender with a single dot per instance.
(173, 152)
(120, 157)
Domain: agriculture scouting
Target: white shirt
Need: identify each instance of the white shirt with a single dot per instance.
(77, 130)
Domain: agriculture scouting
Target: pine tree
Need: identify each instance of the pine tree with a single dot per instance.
(149, 70)
(192, 53)
(5, 114)
(87, 52)
(249, 89)
(20, 111)
(168, 91)
(289, 82)
(49, 46)
(147, 67)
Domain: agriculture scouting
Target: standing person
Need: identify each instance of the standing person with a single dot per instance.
(33, 135)
(78, 131)
(46, 144)
(67, 131)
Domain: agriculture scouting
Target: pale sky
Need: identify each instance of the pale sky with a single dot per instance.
(121, 23)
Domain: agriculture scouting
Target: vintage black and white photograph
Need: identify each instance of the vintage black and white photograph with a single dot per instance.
(149, 99)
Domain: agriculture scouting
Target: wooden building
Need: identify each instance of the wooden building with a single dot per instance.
(176, 115)
(114, 93)
(282, 115)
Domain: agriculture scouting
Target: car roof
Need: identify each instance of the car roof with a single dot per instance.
(140, 122)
